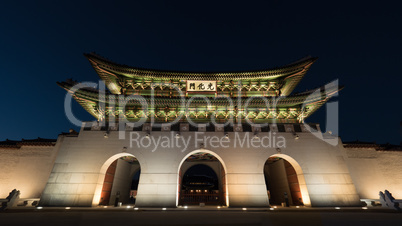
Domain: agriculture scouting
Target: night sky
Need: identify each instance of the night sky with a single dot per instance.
(359, 44)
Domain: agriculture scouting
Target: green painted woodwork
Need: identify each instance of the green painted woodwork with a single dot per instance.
(164, 92)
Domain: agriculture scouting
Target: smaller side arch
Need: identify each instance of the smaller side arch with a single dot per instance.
(300, 176)
(102, 173)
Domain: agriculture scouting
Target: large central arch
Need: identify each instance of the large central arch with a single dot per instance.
(221, 162)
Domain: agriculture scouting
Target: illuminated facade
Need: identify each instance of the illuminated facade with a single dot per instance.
(245, 126)
(220, 89)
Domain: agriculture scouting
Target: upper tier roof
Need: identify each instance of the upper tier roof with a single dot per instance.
(112, 73)
(133, 72)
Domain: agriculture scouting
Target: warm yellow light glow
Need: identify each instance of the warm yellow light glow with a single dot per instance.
(39, 207)
(337, 208)
(67, 208)
(300, 177)
(102, 174)
(244, 208)
(136, 208)
(163, 208)
(112, 86)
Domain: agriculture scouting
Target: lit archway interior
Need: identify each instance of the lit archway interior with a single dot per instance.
(285, 181)
(202, 181)
(120, 181)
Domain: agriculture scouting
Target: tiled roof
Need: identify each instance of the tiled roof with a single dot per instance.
(101, 63)
(27, 142)
(71, 133)
(306, 97)
(378, 147)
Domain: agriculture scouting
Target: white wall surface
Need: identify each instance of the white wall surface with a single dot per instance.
(77, 176)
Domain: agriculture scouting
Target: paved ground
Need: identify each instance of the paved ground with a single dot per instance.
(199, 216)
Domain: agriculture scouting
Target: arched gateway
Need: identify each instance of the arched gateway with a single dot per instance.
(285, 181)
(115, 180)
(230, 122)
(206, 183)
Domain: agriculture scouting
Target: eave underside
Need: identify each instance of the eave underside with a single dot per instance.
(287, 109)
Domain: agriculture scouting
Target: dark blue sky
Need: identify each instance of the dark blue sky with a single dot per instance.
(359, 44)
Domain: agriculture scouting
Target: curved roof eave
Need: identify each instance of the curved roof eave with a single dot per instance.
(100, 63)
(306, 98)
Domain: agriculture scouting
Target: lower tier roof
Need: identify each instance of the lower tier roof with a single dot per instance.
(289, 109)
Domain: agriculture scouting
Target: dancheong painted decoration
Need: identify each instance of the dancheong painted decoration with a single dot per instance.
(260, 96)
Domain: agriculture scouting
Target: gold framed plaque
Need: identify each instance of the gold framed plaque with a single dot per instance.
(201, 86)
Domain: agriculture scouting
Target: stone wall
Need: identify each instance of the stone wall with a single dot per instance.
(373, 171)
(72, 172)
(26, 169)
(78, 174)
(121, 182)
(278, 175)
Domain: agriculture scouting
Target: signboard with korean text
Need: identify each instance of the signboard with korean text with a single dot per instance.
(201, 86)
